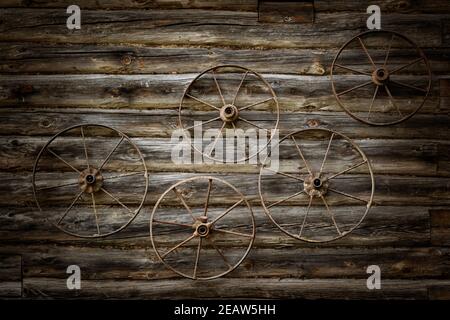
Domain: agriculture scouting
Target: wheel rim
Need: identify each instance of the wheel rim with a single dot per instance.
(381, 78)
(226, 112)
(202, 226)
(316, 184)
(92, 180)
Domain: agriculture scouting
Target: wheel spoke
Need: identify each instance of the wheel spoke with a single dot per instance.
(301, 155)
(391, 98)
(172, 223)
(367, 52)
(407, 65)
(197, 258)
(180, 197)
(256, 103)
(331, 215)
(110, 154)
(202, 123)
(401, 84)
(58, 186)
(305, 217)
(347, 195)
(69, 208)
(346, 170)
(235, 233)
(123, 175)
(326, 154)
(239, 87)
(178, 245)
(95, 213)
(227, 211)
(388, 51)
(285, 199)
(207, 197)
(373, 100)
(219, 134)
(218, 87)
(284, 174)
(221, 254)
(61, 159)
(352, 70)
(252, 124)
(202, 101)
(84, 145)
(354, 88)
(117, 200)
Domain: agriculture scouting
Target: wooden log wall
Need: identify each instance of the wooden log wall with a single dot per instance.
(128, 66)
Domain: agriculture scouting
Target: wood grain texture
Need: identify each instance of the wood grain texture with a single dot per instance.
(127, 68)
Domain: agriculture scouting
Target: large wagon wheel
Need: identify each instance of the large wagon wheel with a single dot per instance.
(228, 96)
(82, 170)
(196, 231)
(313, 176)
(370, 80)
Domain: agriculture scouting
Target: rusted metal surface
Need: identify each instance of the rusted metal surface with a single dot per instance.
(382, 77)
(208, 228)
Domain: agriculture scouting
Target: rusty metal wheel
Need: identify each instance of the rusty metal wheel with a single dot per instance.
(380, 77)
(313, 176)
(82, 170)
(201, 239)
(228, 97)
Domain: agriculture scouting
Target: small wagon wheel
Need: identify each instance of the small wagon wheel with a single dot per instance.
(90, 160)
(370, 80)
(228, 97)
(313, 178)
(197, 239)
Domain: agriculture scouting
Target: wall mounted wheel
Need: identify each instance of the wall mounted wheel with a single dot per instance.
(380, 77)
(201, 239)
(322, 188)
(228, 97)
(91, 180)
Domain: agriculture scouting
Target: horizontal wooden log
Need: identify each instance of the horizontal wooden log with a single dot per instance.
(390, 190)
(10, 275)
(162, 123)
(285, 12)
(306, 263)
(440, 226)
(383, 226)
(238, 5)
(231, 288)
(45, 58)
(389, 6)
(395, 157)
(205, 28)
(295, 93)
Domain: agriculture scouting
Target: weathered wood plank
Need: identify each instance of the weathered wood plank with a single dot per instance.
(161, 123)
(381, 227)
(115, 59)
(305, 263)
(440, 227)
(388, 6)
(390, 190)
(229, 288)
(204, 28)
(295, 93)
(238, 5)
(10, 274)
(285, 12)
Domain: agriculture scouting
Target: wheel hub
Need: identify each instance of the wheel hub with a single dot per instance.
(380, 76)
(90, 180)
(229, 113)
(315, 186)
(202, 227)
